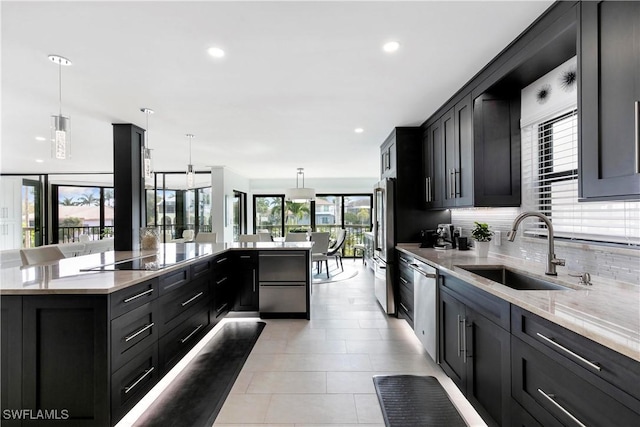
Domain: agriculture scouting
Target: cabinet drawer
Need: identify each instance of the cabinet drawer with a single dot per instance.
(221, 263)
(493, 308)
(173, 307)
(556, 396)
(132, 297)
(175, 344)
(282, 266)
(406, 301)
(201, 269)
(132, 332)
(173, 280)
(576, 352)
(406, 282)
(131, 382)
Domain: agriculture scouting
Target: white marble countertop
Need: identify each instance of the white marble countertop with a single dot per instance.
(608, 312)
(69, 275)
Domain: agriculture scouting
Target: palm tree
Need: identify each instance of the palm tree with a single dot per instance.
(88, 199)
(67, 201)
(296, 211)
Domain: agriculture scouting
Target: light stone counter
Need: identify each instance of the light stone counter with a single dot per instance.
(67, 276)
(607, 312)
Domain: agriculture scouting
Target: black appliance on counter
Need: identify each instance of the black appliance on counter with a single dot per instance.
(428, 238)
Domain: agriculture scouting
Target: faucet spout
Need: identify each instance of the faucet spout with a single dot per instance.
(552, 261)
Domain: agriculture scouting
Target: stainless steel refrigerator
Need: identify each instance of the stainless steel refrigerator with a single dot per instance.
(383, 231)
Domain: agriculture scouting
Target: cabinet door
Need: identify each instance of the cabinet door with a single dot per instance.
(247, 283)
(556, 396)
(434, 166)
(451, 338)
(488, 358)
(65, 357)
(496, 147)
(609, 96)
(450, 163)
(11, 356)
(463, 144)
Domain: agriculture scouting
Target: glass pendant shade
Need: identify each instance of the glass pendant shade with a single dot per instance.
(60, 137)
(191, 176)
(300, 194)
(147, 167)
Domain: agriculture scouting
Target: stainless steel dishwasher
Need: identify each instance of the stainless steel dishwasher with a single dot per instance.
(282, 277)
(425, 306)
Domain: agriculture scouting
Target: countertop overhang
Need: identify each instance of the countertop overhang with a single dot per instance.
(69, 275)
(607, 312)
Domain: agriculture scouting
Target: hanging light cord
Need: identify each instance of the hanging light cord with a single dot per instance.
(60, 84)
(146, 134)
(190, 139)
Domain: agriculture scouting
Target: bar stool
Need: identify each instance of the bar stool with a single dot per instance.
(358, 247)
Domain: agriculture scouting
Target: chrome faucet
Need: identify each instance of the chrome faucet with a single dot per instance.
(552, 261)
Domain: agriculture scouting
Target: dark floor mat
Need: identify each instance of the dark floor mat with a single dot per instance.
(410, 400)
(196, 396)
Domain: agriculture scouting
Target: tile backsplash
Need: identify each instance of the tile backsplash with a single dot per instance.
(611, 262)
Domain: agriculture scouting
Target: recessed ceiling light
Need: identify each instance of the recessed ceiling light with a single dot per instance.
(216, 52)
(391, 47)
(358, 130)
(40, 138)
(39, 161)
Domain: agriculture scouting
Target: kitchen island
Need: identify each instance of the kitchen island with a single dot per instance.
(86, 338)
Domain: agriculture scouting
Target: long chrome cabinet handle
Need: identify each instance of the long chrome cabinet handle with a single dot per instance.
(566, 350)
(428, 188)
(141, 294)
(550, 397)
(403, 280)
(185, 339)
(193, 298)
(221, 260)
(464, 340)
(254, 280)
(404, 308)
(459, 346)
(138, 332)
(143, 376)
(221, 280)
(637, 120)
(456, 180)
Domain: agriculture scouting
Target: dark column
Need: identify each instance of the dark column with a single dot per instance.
(128, 186)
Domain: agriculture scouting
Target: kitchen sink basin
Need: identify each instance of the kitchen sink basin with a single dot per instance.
(513, 279)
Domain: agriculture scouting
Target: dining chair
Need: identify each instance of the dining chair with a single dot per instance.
(264, 237)
(296, 237)
(319, 250)
(246, 238)
(40, 255)
(205, 237)
(336, 250)
(188, 235)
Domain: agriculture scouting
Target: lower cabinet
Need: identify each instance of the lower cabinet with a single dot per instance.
(405, 288)
(222, 292)
(475, 351)
(246, 281)
(10, 356)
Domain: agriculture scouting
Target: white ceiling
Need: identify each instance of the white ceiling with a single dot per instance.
(297, 78)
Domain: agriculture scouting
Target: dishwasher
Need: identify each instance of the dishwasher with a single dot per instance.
(425, 306)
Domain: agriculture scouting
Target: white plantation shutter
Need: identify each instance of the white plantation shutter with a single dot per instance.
(550, 185)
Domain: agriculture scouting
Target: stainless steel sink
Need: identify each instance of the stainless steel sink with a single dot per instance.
(513, 279)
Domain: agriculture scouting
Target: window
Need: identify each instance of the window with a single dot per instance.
(327, 213)
(83, 210)
(550, 185)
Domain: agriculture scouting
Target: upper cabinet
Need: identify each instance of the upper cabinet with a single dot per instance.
(472, 154)
(609, 78)
(388, 159)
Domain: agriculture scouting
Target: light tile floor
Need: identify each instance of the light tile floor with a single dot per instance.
(319, 372)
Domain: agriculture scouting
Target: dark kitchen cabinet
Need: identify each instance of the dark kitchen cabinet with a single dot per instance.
(474, 349)
(222, 293)
(65, 357)
(388, 159)
(405, 279)
(246, 271)
(457, 126)
(433, 163)
(11, 356)
(556, 396)
(496, 150)
(609, 97)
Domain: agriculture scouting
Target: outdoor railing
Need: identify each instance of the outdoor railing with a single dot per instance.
(355, 233)
(72, 234)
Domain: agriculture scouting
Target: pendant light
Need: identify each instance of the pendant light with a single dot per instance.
(147, 172)
(300, 194)
(190, 173)
(60, 125)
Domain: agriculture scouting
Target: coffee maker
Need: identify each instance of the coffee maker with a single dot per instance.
(428, 238)
(444, 238)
